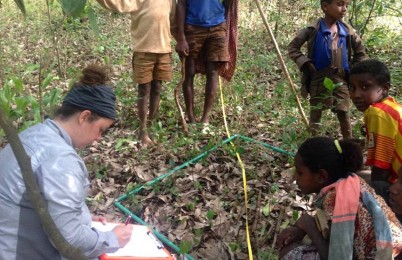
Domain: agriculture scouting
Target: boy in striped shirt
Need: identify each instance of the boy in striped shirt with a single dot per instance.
(369, 84)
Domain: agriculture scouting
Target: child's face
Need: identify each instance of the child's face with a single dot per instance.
(336, 9)
(307, 181)
(364, 90)
(395, 194)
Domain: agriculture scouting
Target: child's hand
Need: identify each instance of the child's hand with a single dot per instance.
(306, 222)
(182, 48)
(309, 67)
(289, 236)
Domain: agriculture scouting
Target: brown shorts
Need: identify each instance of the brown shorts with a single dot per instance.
(151, 66)
(211, 41)
(321, 97)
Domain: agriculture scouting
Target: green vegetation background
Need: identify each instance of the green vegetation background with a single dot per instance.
(42, 54)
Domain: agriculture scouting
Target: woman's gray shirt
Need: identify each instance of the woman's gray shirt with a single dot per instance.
(63, 181)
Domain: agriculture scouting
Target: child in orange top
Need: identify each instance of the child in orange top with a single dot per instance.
(369, 86)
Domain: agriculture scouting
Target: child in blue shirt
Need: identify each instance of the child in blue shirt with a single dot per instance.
(202, 29)
(330, 46)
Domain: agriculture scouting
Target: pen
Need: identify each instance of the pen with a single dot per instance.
(128, 219)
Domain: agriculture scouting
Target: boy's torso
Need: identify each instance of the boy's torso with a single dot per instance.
(384, 135)
(317, 40)
(150, 26)
(206, 13)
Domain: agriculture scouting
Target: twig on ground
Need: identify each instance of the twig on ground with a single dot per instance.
(278, 226)
(176, 96)
(256, 218)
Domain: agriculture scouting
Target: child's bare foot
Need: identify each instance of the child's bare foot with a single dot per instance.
(144, 139)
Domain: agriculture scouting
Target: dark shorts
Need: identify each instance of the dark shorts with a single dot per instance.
(321, 98)
(212, 40)
(382, 189)
(151, 66)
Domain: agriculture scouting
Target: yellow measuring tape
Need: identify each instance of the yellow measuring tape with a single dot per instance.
(243, 171)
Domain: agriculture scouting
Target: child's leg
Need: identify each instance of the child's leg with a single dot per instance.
(155, 97)
(143, 65)
(342, 104)
(315, 118)
(211, 86)
(188, 88)
(344, 121)
(142, 105)
(216, 47)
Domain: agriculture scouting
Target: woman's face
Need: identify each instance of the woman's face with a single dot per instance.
(307, 181)
(396, 194)
(90, 131)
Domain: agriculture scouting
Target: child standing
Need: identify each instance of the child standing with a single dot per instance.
(330, 45)
(369, 85)
(355, 224)
(202, 34)
(151, 23)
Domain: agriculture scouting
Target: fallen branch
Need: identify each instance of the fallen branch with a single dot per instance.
(38, 203)
(278, 226)
(176, 96)
(283, 65)
(256, 221)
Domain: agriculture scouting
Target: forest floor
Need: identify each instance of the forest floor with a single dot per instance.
(201, 208)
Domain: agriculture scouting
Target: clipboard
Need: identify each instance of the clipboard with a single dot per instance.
(143, 245)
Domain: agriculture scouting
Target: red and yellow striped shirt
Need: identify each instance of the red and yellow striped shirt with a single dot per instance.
(384, 136)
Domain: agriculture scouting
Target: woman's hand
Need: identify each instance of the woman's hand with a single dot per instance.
(100, 219)
(123, 233)
(289, 236)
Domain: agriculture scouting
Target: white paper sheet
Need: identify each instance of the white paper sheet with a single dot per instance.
(142, 243)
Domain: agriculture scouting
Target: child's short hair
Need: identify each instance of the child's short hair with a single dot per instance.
(375, 68)
(326, 1)
(322, 153)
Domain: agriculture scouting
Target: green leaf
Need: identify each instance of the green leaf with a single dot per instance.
(119, 143)
(73, 7)
(266, 210)
(18, 85)
(130, 187)
(21, 6)
(295, 215)
(211, 214)
(53, 97)
(185, 246)
(93, 20)
(21, 103)
(285, 224)
(330, 85)
(47, 80)
(274, 187)
(233, 246)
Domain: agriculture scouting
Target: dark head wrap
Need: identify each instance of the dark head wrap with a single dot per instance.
(98, 99)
